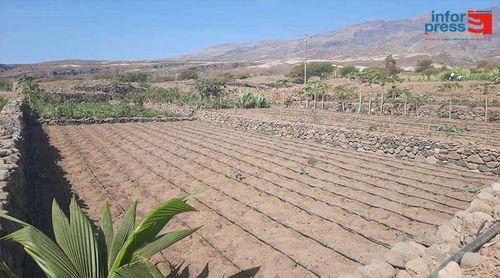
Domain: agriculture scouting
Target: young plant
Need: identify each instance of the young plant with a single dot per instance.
(238, 176)
(303, 171)
(311, 161)
(476, 189)
(449, 87)
(80, 251)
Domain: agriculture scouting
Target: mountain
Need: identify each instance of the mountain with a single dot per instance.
(369, 41)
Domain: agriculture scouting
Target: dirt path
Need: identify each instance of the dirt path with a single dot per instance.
(274, 221)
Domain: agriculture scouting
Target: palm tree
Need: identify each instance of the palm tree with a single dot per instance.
(79, 251)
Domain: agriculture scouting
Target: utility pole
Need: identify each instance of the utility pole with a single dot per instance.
(305, 71)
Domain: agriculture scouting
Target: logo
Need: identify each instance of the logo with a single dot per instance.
(473, 25)
(480, 22)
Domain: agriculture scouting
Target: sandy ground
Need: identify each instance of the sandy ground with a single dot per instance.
(483, 134)
(275, 222)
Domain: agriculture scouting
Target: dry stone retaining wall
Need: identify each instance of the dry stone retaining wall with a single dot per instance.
(113, 120)
(430, 247)
(470, 156)
(12, 179)
(461, 112)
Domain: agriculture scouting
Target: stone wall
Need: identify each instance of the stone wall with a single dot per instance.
(12, 179)
(430, 247)
(113, 120)
(462, 112)
(469, 156)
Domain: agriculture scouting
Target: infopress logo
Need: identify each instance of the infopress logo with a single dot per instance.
(472, 22)
(480, 22)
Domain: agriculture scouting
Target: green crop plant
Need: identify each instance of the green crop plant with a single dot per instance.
(303, 171)
(476, 189)
(79, 250)
(311, 161)
(238, 176)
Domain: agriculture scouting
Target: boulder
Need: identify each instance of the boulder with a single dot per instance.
(426, 236)
(447, 233)
(401, 253)
(451, 270)
(474, 158)
(417, 267)
(376, 270)
(478, 205)
(471, 259)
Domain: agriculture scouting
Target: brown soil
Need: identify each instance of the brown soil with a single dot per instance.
(484, 134)
(276, 222)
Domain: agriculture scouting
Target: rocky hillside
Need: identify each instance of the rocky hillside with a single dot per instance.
(366, 41)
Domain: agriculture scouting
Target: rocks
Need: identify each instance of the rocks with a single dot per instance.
(376, 270)
(474, 158)
(471, 260)
(447, 233)
(417, 267)
(401, 253)
(426, 237)
(478, 205)
(451, 270)
(434, 152)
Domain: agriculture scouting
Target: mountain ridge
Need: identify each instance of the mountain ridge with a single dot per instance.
(400, 37)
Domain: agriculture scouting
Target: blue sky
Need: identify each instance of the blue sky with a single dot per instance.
(35, 31)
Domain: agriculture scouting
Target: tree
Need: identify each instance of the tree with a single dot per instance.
(390, 65)
(318, 69)
(423, 65)
(379, 78)
(210, 88)
(343, 93)
(348, 71)
(80, 251)
(189, 73)
(316, 89)
(396, 93)
(484, 88)
(449, 87)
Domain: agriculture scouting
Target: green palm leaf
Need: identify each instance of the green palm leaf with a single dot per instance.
(150, 226)
(77, 240)
(106, 226)
(138, 269)
(51, 259)
(122, 234)
(163, 242)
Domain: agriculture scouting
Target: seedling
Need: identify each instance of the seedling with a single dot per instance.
(375, 127)
(295, 264)
(238, 176)
(262, 130)
(303, 171)
(311, 161)
(448, 128)
(476, 189)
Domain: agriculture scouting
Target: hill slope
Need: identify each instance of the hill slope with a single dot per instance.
(404, 38)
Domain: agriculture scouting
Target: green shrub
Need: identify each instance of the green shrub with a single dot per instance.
(190, 73)
(448, 128)
(210, 88)
(244, 75)
(5, 85)
(423, 65)
(348, 71)
(79, 250)
(3, 102)
(318, 69)
(245, 99)
(135, 76)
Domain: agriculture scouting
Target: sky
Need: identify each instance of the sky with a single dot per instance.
(43, 30)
